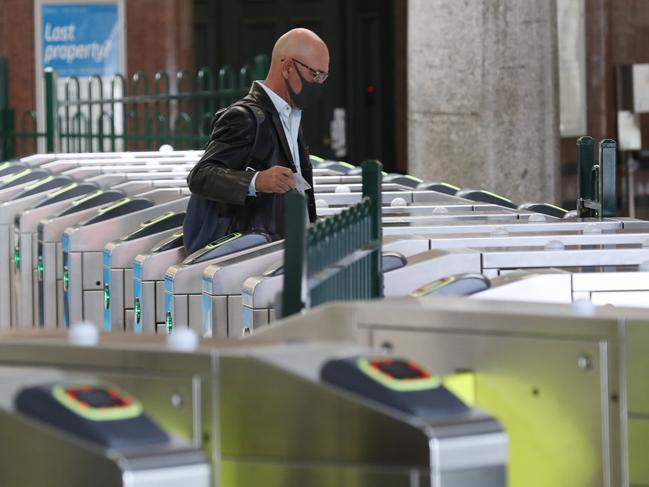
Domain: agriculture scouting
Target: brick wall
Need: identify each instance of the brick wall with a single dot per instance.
(158, 36)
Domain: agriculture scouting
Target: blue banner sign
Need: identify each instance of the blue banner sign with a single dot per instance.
(81, 39)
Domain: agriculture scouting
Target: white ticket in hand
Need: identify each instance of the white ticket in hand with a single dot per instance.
(300, 183)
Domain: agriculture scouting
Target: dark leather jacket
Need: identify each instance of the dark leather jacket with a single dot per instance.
(219, 182)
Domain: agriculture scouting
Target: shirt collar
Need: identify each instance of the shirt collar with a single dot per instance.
(282, 107)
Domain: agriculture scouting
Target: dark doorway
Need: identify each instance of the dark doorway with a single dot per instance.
(356, 118)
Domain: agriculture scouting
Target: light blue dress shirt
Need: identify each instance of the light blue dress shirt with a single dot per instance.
(290, 118)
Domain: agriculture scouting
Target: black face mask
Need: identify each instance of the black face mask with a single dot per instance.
(309, 94)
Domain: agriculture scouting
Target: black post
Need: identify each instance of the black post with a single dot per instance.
(585, 176)
(607, 190)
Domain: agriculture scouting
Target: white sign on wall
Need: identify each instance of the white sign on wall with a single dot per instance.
(571, 33)
(78, 38)
(641, 88)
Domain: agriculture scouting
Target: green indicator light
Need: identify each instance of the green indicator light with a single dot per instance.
(223, 240)
(40, 268)
(112, 206)
(432, 287)
(164, 216)
(450, 186)
(38, 183)
(169, 321)
(88, 197)
(497, 196)
(66, 279)
(414, 178)
(17, 257)
(62, 190)
(138, 311)
(16, 176)
(106, 296)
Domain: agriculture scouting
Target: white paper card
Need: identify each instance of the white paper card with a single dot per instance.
(300, 183)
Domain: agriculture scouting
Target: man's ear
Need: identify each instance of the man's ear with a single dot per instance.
(286, 68)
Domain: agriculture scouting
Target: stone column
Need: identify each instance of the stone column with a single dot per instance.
(483, 95)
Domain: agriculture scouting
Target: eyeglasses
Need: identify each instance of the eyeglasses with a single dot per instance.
(318, 76)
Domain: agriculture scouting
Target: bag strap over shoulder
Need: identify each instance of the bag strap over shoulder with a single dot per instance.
(258, 115)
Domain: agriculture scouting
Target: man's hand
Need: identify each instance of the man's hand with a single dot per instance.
(277, 179)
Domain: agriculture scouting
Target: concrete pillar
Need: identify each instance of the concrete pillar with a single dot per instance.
(483, 95)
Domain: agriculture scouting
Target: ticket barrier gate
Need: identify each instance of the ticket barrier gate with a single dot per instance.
(388, 197)
(492, 198)
(182, 282)
(620, 289)
(259, 293)
(118, 266)
(486, 197)
(510, 227)
(24, 256)
(88, 432)
(50, 233)
(445, 264)
(525, 250)
(414, 431)
(40, 159)
(183, 174)
(84, 243)
(354, 188)
(11, 185)
(394, 210)
(586, 236)
(22, 233)
(222, 304)
(222, 307)
(438, 186)
(458, 216)
(546, 209)
(221, 288)
(560, 381)
(492, 263)
(148, 282)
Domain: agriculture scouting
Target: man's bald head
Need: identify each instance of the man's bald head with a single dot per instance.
(294, 51)
(305, 46)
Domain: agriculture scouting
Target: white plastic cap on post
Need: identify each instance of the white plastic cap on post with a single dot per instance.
(584, 307)
(83, 334)
(398, 202)
(321, 203)
(592, 229)
(182, 340)
(555, 245)
(166, 148)
(500, 232)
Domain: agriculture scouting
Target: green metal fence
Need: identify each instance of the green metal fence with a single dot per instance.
(338, 258)
(93, 114)
(16, 137)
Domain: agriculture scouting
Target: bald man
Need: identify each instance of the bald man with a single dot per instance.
(256, 153)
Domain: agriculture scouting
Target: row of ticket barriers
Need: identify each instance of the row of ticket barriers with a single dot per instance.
(331, 397)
